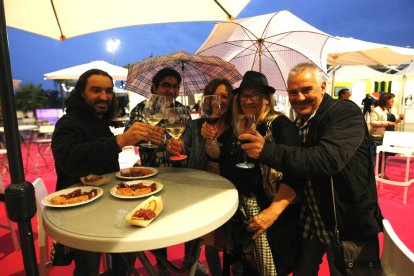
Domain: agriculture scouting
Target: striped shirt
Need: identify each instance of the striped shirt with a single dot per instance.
(310, 216)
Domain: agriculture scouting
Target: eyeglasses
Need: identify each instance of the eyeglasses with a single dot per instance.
(253, 98)
(169, 85)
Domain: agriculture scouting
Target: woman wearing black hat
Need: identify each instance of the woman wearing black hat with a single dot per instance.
(258, 187)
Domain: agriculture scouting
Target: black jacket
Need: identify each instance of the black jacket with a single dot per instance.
(337, 145)
(82, 144)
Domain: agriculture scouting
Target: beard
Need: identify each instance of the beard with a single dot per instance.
(100, 107)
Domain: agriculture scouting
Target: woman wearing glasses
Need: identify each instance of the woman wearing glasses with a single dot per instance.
(258, 185)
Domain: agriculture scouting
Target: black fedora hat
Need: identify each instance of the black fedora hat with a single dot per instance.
(254, 79)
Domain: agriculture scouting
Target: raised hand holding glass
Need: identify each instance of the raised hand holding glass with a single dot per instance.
(175, 122)
(210, 111)
(153, 113)
(245, 124)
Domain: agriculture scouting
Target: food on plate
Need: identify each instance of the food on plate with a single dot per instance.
(136, 172)
(146, 212)
(135, 189)
(74, 197)
(94, 180)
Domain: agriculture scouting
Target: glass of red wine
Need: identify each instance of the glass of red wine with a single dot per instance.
(210, 111)
(245, 124)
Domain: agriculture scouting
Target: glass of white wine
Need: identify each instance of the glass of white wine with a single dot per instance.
(153, 113)
(175, 122)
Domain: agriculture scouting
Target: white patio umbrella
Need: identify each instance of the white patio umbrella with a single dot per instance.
(351, 51)
(271, 44)
(63, 19)
(73, 73)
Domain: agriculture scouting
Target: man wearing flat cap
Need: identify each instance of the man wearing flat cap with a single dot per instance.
(272, 243)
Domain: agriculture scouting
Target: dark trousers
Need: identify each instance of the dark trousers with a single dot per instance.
(86, 263)
(313, 251)
(163, 252)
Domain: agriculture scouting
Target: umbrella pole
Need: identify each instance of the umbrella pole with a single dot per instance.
(402, 101)
(19, 195)
(183, 82)
(260, 42)
(333, 79)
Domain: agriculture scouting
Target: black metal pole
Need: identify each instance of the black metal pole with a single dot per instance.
(19, 195)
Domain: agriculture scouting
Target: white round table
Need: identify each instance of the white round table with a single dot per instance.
(195, 203)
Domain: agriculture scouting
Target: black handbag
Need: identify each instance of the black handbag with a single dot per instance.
(354, 257)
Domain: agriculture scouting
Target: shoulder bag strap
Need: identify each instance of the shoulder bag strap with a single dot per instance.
(336, 229)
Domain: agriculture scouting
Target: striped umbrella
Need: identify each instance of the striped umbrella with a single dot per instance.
(196, 71)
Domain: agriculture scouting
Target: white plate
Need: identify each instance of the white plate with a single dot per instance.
(160, 186)
(46, 200)
(154, 171)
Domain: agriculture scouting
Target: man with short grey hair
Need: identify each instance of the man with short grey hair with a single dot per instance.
(335, 146)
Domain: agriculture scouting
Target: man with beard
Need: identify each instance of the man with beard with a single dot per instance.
(83, 144)
(335, 146)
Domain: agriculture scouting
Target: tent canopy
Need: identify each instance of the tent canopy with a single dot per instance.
(407, 71)
(73, 73)
(361, 73)
(351, 51)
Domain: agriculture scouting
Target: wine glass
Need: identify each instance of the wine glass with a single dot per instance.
(210, 111)
(153, 113)
(245, 124)
(175, 122)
